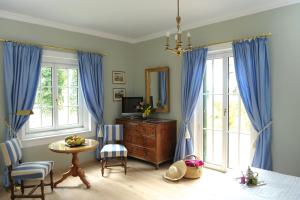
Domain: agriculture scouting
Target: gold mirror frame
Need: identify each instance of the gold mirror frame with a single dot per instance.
(148, 87)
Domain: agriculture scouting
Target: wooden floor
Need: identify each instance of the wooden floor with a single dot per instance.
(142, 182)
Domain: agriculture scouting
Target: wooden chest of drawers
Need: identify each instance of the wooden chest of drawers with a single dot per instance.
(149, 140)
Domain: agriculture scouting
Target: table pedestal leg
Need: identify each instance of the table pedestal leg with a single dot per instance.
(75, 170)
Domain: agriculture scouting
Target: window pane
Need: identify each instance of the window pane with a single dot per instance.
(46, 96)
(38, 98)
(63, 96)
(208, 78)
(63, 115)
(218, 147)
(46, 77)
(68, 110)
(233, 150)
(208, 145)
(245, 122)
(218, 76)
(207, 111)
(73, 96)
(62, 77)
(73, 77)
(47, 118)
(233, 88)
(233, 120)
(73, 114)
(218, 112)
(35, 119)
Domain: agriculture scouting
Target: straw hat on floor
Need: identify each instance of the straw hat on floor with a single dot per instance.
(176, 171)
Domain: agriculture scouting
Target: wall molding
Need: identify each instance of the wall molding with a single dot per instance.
(52, 24)
(48, 23)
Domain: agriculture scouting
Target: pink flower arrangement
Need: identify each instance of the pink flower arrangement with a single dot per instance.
(194, 163)
(144, 108)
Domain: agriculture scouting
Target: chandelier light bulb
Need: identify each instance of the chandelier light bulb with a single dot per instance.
(188, 35)
(168, 34)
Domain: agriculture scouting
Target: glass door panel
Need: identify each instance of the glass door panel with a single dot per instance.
(213, 108)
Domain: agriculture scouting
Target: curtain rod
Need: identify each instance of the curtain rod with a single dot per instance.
(47, 46)
(240, 39)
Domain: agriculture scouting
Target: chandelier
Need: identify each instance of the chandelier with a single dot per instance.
(178, 50)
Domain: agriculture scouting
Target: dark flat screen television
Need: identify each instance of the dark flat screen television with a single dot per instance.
(129, 105)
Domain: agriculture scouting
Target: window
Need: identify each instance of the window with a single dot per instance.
(220, 117)
(59, 103)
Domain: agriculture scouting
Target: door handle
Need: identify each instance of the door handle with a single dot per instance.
(225, 111)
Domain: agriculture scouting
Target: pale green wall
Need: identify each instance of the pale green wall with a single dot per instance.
(285, 72)
(285, 69)
(118, 57)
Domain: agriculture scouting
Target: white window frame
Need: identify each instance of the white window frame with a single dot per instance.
(224, 50)
(35, 137)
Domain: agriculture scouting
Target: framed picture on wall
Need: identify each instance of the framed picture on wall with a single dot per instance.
(118, 77)
(118, 93)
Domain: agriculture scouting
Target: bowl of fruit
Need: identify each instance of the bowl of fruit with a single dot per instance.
(74, 141)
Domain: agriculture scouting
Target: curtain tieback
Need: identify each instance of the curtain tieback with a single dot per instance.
(187, 132)
(264, 128)
(100, 131)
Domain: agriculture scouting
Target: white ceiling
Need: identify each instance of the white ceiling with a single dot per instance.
(130, 20)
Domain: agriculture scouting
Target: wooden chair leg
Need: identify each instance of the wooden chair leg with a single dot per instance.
(42, 190)
(12, 190)
(51, 180)
(11, 182)
(22, 187)
(102, 166)
(125, 165)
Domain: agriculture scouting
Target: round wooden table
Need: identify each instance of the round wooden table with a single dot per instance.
(75, 170)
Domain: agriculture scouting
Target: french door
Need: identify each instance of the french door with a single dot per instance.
(226, 129)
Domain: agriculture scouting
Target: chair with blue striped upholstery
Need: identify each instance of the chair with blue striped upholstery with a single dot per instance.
(113, 146)
(23, 171)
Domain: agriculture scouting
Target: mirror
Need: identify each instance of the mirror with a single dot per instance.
(158, 88)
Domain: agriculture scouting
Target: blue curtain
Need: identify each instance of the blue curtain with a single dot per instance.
(22, 66)
(162, 88)
(191, 81)
(91, 79)
(253, 77)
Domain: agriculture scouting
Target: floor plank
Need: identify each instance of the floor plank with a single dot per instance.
(142, 182)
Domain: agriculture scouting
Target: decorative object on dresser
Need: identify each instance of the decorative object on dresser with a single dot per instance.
(118, 77)
(112, 135)
(145, 109)
(129, 106)
(151, 140)
(23, 171)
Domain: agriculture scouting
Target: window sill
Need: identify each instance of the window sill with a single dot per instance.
(45, 139)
